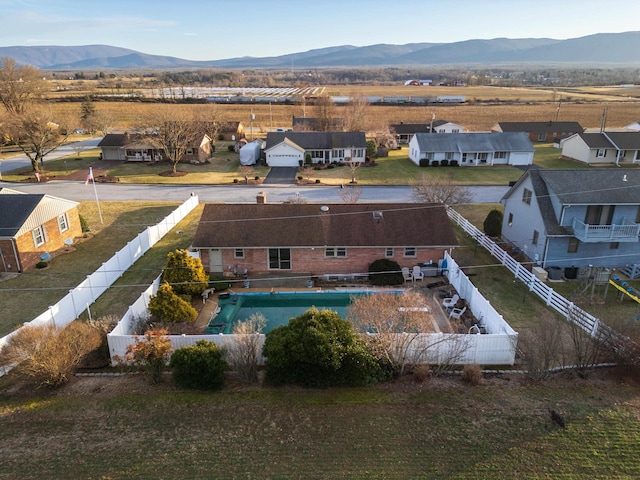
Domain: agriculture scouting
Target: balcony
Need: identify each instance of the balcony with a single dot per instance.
(626, 232)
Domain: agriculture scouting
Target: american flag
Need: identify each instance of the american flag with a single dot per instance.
(89, 176)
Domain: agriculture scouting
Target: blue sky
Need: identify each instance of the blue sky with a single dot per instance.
(212, 30)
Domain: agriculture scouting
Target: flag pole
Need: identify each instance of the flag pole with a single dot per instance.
(95, 191)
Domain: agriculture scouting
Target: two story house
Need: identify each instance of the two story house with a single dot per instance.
(575, 218)
(471, 149)
(290, 149)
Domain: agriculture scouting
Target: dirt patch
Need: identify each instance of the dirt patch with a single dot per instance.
(171, 173)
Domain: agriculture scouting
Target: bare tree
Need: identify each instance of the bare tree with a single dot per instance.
(541, 347)
(430, 189)
(307, 172)
(325, 113)
(19, 85)
(174, 131)
(244, 354)
(356, 114)
(245, 171)
(350, 193)
(392, 324)
(353, 169)
(37, 132)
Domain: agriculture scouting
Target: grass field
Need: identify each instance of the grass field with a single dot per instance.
(29, 294)
(121, 428)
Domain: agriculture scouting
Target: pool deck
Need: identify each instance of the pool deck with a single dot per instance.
(440, 317)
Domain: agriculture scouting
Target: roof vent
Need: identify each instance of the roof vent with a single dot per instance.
(324, 208)
(377, 215)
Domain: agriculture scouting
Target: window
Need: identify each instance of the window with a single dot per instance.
(601, 153)
(455, 130)
(482, 157)
(238, 253)
(449, 155)
(358, 152)
(526, 196)
(534, 240)
(410, 251)
(388, 252)
(335, 252)
(280, 259)
(317, 154)
(614, 245)
(337, 153)
(510, 222)
(63, 223)
(573, 245)
(189, 151)
(542, 136)
(464, 158)
(501, 155)
(428, 155)
(38, 236)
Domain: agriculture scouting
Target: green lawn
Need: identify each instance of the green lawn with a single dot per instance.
(29, 294)
(121, 429)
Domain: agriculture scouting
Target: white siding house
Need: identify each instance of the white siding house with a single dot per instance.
(471, 149)
(616, 148)
(288, 149)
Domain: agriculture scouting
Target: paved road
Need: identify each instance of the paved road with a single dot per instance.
(21, 160)
(74, 190)
(78, 191)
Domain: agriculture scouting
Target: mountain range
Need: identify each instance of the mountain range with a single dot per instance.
(602, 48)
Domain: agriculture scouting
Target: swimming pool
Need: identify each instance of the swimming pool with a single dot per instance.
(279, 307)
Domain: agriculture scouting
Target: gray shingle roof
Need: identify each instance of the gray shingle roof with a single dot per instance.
(595, 140)
(540, 127)
(114, 140)
(319, 140)
(474, 142)
(15, 211)
(592, 187)
(625, 140)
(306, 225)
(411, 128)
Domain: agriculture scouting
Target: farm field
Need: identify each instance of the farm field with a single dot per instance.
(121, 427)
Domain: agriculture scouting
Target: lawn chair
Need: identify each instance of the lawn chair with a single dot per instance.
(417, 274)
(450, 303)
(406, 274)
(457, 313)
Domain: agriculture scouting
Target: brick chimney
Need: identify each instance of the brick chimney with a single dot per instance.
(261, 198)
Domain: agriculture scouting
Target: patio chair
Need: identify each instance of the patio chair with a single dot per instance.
(406, 274)
(417, 273)
(449, 303)
(457, 312)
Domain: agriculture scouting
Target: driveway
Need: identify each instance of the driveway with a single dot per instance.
(281, 175)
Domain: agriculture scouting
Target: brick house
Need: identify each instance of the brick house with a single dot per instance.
(318, 239)
(540, 131)
(34, 226)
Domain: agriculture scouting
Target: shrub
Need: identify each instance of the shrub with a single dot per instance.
(300, 162)
(231, 148)
(150, 353)
(444, 163)
(385, 272)
(472, 374)
(317, 180)
(49, 356)
(421, 372)
(424, 162)
(235, 180)
(319, 349)
(185, 273)
(435, 163)
(221, 137)
(84, 226)
(300, 177)
(330, 166)
(169, 307)
(454, 163)
(219, 283)
(244, 353)
(256, 178)
(42, 264)
(492, 225)
(200, 366)
(307, 159)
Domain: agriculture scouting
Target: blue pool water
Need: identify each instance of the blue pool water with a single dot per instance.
(278, 307)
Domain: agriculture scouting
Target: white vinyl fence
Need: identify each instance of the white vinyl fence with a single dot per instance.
(87, 292)
(587, 322)
(497, 347)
